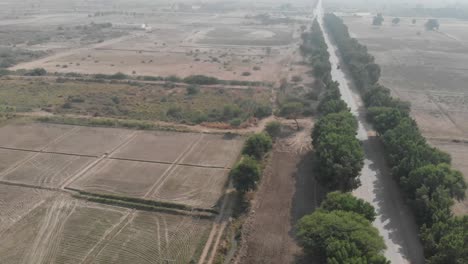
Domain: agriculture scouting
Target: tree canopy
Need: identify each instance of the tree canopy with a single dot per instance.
(245, 174)
(257, 145)
(340, 237)
(347, 202)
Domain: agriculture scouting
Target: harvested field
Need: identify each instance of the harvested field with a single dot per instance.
(11, 158)
(16, 202)
(31, 136)
(156, 238)
(62, 231)
(46, 170)
(428, 69)
(91, 141)
(215, 151)
(196, 187)
(128, 178)
(156, 146)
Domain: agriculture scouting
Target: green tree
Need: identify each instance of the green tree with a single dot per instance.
(385, 118)
(347, 202)
(436, 176)
(332, 106)
(378, 20)
(245, 174)
(340, 159)
(396, 21)
(340, 237)
(257, 145)
(446, 241)
(292, 110)
(341, 123)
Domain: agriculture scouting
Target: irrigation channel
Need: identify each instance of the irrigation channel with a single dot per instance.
(394, 221)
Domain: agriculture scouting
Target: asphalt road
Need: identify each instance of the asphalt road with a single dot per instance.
(395, 221)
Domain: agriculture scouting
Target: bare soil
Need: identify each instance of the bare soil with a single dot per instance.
(287, 192)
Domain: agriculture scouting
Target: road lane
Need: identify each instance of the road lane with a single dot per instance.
(394, 221)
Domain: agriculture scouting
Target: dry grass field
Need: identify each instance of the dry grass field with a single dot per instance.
(141, 102)
(428, 69)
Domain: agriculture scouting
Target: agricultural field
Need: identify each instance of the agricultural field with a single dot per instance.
(428, 69)
(42, 223)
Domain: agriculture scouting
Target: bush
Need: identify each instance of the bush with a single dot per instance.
(245, 174)
(257, 145)
(193, 90)
(236, 122)
(273, 129)
(263, 111)
(201, 80)
(36, 72)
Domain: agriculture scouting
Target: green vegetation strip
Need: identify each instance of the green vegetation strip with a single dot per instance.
(108, 122)
(140, 202)
(423, 172)
(340, 231)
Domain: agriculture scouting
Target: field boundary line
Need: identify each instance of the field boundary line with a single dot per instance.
(50, 152)
(169, 163)
(36, 153)
(155, 187)
(96, 162)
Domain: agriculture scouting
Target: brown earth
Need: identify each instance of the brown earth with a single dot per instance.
(287, 192)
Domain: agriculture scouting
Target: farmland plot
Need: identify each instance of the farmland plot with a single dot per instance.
(31, 136)
(46, 170)
(156, 238)
(193, 186)
(156, 146)
(62, 231)
(90, 141)
(128, 178)
(16, 202)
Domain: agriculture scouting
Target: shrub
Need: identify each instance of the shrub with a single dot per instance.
(201, 80)
(193, 90)
(37, 72)
(263, 111)
(236, 122)
(273, 129)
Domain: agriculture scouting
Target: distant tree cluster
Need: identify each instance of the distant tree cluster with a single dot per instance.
(423, 172)
(340, 231)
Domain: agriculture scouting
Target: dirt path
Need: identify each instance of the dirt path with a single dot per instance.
(286, 193)
(395, 221)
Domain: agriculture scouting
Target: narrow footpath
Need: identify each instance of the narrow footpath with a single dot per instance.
(395, 221)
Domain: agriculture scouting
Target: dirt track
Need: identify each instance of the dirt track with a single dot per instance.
(287, 192)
